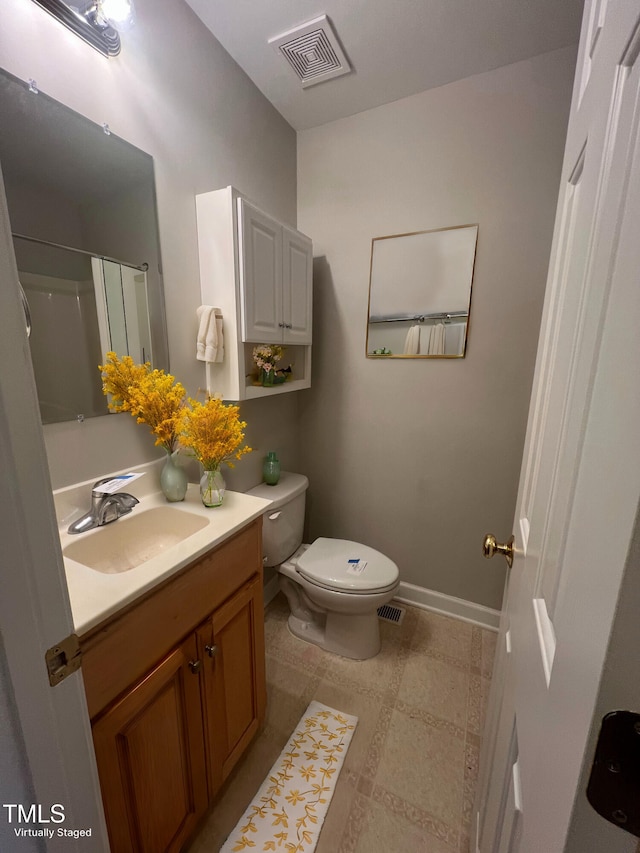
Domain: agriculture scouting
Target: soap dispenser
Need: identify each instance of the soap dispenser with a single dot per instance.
(271, 468)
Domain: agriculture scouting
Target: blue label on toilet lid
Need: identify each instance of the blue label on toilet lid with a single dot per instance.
(356, 566)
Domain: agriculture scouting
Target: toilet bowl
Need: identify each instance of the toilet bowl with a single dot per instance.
(334, 586)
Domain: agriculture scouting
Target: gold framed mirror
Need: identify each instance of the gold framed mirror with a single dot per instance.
(420, 293)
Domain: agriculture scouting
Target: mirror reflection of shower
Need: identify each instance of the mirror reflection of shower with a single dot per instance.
(123, 309)
(81, 307)
(67, 182)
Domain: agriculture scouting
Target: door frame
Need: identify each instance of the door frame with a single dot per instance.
(35, 612)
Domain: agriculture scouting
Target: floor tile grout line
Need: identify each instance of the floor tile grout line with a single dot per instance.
(430, 720)
(415, 815)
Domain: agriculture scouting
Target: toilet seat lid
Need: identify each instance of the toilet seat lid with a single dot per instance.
(348, 566)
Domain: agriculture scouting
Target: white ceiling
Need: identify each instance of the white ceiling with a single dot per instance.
(396, 47)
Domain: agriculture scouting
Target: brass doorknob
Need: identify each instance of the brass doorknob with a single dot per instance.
(491, 547)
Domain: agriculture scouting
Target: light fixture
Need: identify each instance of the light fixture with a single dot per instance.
(95, 21)
(118, 14)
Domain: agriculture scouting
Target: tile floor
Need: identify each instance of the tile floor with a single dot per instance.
(409, 775)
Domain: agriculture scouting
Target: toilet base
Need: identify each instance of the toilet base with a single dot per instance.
(343, 623)
(355, 637)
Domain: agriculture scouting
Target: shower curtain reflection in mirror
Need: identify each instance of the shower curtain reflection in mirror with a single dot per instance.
(75, 192)
(122, 308)
(81, 307)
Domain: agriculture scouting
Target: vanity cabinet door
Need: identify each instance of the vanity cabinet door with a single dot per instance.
(260, 275)
(297, 292)
(151, 760)
(231, 645)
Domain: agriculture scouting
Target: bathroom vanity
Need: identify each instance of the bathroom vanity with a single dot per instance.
(175, 679)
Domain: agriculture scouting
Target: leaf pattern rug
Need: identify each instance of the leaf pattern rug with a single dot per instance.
(288, 811)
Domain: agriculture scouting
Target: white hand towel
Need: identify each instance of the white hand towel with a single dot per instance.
(220, 336)
(454, 338)
(203, 314)
(436, 340)
(210, 342)
(412, 341)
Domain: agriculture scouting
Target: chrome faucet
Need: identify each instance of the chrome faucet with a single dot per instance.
(105, 508)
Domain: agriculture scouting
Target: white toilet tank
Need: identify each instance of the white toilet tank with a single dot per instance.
(283, 522)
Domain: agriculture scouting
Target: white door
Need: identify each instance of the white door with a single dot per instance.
(35, 613)
(260, 275)
(580, 478)
(297, 290)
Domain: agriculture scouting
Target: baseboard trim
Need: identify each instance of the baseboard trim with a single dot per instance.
(270, 590)
(425, 599)
(448, 605)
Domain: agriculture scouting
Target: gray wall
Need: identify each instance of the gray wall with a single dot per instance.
(421, 458)
(175, 93)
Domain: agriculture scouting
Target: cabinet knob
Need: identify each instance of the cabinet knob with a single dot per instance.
(281, 325)
(212, 651)
(195, 666)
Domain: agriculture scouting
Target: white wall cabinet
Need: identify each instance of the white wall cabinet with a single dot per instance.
(297, 290)
(259, 273)
(275, 279)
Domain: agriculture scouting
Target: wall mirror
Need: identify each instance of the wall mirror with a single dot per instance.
(420, 293)
(83, 214)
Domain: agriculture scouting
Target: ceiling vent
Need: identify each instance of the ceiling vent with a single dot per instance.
(313, 51)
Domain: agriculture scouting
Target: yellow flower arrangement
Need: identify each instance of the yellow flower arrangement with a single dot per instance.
(213, 431)
(153, 397)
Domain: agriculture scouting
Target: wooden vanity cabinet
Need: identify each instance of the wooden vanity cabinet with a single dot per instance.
(231, 646)
(168, 737)
(151, 758)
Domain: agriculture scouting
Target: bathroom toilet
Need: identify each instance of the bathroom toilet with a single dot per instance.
(334, 586)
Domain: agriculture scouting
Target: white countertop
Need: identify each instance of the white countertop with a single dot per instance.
(95, 595)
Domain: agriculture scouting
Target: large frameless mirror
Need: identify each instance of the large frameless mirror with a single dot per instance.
(420, 293)
(83, 214)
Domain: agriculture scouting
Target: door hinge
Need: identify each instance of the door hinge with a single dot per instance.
(63, 659)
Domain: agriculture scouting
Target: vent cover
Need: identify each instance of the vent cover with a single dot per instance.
(313, 51)
(391, 613)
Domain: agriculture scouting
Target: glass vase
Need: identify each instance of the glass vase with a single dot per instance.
(271, 468)
(212, 487)
(173, 479)
(267, 377)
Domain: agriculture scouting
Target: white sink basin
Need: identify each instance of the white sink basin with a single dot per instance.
(133, 540)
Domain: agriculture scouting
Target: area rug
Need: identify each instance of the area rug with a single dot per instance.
(288, 811)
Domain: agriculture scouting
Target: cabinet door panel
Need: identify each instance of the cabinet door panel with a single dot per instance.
(234, 695)
(260, 275)
(297, 293)
(150, 754)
